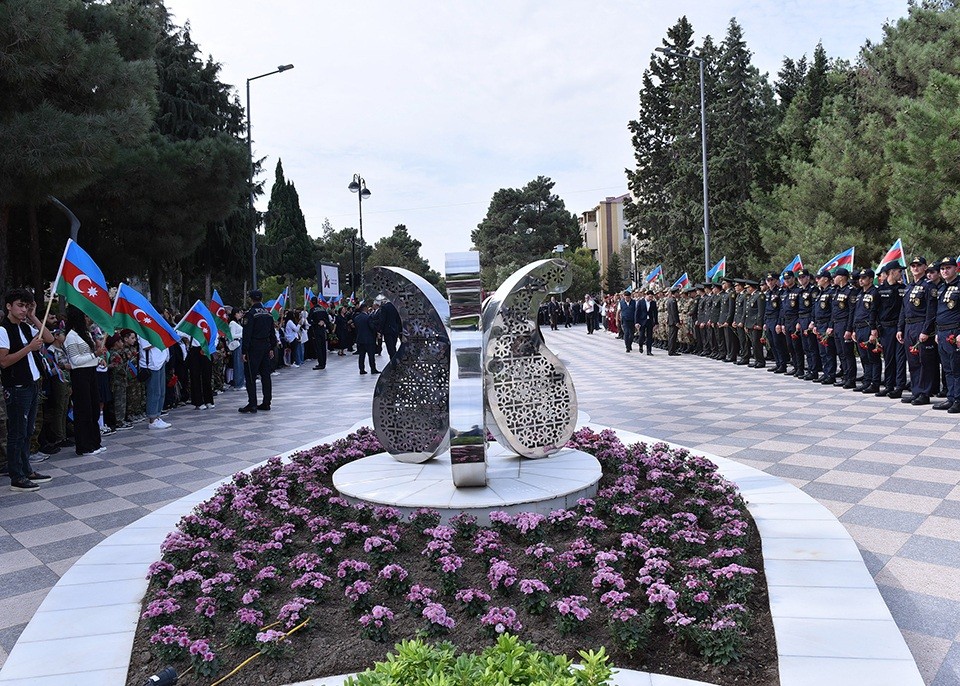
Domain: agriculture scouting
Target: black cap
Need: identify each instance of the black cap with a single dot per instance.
(842, 271)
(715, 285)
(919, 259)
(804, 272)
(890, 266)
(771, 275)
(948, 261)
(865, 274)
(824, 274)
(788, 274)
(749, 282)
(730, 279)
(255, 294)
(932, 268)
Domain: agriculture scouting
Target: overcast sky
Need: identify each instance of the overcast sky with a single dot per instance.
(439, 105)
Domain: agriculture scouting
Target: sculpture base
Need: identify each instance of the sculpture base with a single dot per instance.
(514, 484)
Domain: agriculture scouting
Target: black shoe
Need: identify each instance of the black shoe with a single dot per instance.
(841, 383)
(872, 388)
(908, 399)
(758, 365)
(316, 366)
(673, 354)
(780, 370)
(363, 371)
(861, 388)
(246, 409)
(955, 408)
(39, 478)
(850, 385)
(828, 381)
(24, 486)
(943, 406)
(374, 371)
(650, 353)
(773, 370)
(263, 406)
(895, 393)
(921, 399)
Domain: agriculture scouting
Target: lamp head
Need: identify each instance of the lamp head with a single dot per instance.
(365, 193)
(284, 67)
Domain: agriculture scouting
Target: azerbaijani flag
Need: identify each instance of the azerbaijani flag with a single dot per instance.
(200, 324)
(656, 273)
(894, 254)
(717, 271)
(276, 306)
(796, 264)
(133, 311)
(308, 297)
(682, 282)
(83, 285)
(220, 315)
(844, 259)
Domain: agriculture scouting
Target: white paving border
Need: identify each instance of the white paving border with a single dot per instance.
(832, 626)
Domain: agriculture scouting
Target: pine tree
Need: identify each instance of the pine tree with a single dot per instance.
(286, 232)
(522, 225)
(78, 82)
(613, 279)
(400, 249)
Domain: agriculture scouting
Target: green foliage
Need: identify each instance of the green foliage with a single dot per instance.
(286, 232)
(341, 247)
(522, 225)
(510, 661)
(613, 279)
(400, 249)
(585, 273)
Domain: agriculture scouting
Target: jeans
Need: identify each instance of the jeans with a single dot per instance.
(238, 374)
(297, 348)
(21, 404)
(156, 390)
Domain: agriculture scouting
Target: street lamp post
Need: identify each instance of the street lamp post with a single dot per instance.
(359, 186)
(703, 146)
(253, 223)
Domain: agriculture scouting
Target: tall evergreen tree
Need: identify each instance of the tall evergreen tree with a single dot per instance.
(77, 82)
(613, 280)
(522, 225)
(400, 249)
(286, 230)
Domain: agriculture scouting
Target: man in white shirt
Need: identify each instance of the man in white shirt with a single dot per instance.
(20, 341)
(154, 360)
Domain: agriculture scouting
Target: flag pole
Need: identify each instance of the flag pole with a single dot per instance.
(53, 288)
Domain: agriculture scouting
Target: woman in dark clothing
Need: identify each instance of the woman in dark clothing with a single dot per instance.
(340, 326)
(84, 356)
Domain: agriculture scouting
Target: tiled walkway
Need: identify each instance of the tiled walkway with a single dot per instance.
(888, 471)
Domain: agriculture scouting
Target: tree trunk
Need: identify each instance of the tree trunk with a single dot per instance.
(155, 278)
(4, 248)
(36, 278)
(208, 288)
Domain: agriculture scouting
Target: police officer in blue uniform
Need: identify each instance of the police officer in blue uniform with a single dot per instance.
(948, 332)
(866, 335)
(790, 322)
(257, 345)
(841, 328)
(915, 332)
(773, 303)
(808, 340)
(822, 329)
(891, 292)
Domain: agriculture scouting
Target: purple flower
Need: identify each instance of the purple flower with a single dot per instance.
(501, 619)
(294, 612)
(437, 617)
(501, 574)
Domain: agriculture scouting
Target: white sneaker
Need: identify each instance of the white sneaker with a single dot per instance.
(201, 407)
(295, 365)
(158, 424)
(99, 450)
(208, 406)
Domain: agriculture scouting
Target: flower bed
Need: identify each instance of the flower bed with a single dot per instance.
(661, 568)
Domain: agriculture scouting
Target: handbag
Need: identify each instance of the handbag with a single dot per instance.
(143, 374)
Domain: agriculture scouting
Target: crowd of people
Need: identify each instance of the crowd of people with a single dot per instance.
(905, 334)
(67, 384)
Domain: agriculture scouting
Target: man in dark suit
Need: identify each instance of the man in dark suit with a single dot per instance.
(652, 319)
(319, 320)
(628, 318)
(673, 321)
(386, 320)
(366, 338)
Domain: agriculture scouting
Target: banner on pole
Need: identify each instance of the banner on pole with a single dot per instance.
(328, 277)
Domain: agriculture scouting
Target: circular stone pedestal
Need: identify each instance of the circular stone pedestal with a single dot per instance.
(514, 484)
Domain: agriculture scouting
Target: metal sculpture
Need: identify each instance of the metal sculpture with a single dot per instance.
(468, 438)
(410, 402)
(530, 399)
(463, 368)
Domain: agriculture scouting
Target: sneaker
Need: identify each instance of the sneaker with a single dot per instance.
(295, 365)
(24, 486)
(38, 478)
(49, 450)
(39, 457)
(106, 431)
(275, 374)
(208, 406)
(158, 424)
(164, 413)
(124, 426)
(99, 450)
(200, 407)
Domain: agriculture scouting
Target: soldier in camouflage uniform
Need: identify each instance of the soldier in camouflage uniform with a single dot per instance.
(660, 330)
(136, 398)
(685, 332)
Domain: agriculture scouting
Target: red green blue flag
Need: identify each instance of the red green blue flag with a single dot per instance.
(133, 311)
(717, 271)
(275, 307)
(844, 259)
(83, 285)
(894, 254)
(200, 324)
(220, 315)
(655, 273)
(795, 265)
(682, 282)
